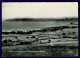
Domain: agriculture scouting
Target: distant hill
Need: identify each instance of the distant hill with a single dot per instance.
(42, 19)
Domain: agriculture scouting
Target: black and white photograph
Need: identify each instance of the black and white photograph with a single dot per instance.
(39, 29)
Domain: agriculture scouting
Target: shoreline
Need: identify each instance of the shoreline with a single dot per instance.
(42, 30)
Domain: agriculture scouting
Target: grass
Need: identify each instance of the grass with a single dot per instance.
(48, 51)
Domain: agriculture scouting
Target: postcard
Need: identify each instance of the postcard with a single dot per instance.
(39, 29)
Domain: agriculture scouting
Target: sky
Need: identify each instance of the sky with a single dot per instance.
(39, 10)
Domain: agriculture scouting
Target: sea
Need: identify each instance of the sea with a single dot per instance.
(31, 25)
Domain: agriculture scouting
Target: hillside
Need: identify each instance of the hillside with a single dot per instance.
(43, 19)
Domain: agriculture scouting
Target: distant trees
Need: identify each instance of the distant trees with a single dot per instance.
(33, 37)
(49, 41)
(5, 41)
(63, 33)
(25, 42)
